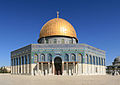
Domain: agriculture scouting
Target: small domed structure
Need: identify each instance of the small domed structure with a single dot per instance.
(116, 60)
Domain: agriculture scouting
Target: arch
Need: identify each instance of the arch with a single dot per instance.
(29, 58)
(62, 41)
(99, 61)
(14, 61)
(22, 60)
(73, 56)
(17, 60)
(58, 66)
(25, 59)
(11, 62)
(81, 57)
(94, 60)
(70, 42)
(87, 58)
(20, 64)
(66, 58)
(55, 41)
(50, 57)
(90, 59)
(104, 61)
(47, 41)
(35, 57)
(42, 57)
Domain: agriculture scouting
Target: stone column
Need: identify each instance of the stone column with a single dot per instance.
(27, 68)
(12, 66)
(11, 69)
(18, 68)
(74, 68)
(63, 68)
(41, 68)
(95, 66)
(67, 68)
(21, 66)
(69, 71)
(49, 69)
(53, 69)
(15, 66)
(24, 65)
(38, 68)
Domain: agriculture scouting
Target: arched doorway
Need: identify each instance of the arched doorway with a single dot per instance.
(58, 66)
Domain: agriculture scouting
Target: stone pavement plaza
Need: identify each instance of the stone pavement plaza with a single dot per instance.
(8, 79)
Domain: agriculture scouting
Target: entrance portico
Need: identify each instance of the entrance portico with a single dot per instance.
(58, 66)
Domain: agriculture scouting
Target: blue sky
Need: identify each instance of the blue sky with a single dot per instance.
(97, 23)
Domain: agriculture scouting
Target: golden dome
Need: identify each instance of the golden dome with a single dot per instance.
(57, 27)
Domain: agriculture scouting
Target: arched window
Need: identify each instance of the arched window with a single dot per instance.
(80, 56)
(49, 57)
(94, 60)
(104, 62)
(73, 57)
(42, 57)
(16, 61)
(90, 59)
(29, 59)
(47, 41)
(55, 40)
(87, 58)
(70, 42)
(66, 57)
(63, 41)
(19, 61)
(11, 62)
(22, 60)
(35, 57)
(99, 61)
(25, 59)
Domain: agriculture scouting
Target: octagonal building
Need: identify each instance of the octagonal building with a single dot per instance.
(58, 53)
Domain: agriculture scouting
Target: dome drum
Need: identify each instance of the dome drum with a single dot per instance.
(57, 40)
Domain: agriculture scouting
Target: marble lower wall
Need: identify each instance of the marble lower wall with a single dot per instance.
(88, 69)
(49, 69)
